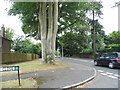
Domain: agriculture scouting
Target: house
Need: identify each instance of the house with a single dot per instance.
(5, 44)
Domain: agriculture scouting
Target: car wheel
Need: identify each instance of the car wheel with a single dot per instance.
(111, 65)
(95, 63)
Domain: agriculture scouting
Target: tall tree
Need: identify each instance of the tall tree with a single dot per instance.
(74, 17)
(37, 20)
(39, 17)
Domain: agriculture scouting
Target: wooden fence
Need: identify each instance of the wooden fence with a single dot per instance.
(18, 57)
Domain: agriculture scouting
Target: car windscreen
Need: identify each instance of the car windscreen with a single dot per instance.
(118, 54)
(113, 55)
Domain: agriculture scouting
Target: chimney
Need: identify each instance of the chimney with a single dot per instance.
(3, 30)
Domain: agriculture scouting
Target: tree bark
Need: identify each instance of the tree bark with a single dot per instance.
(55, 26)
(49, 35)
(43, 29)
(48, 17)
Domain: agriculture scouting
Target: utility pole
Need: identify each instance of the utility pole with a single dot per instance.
(94, 36)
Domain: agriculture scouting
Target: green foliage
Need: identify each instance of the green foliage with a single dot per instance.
(21, 45)
(9, 33)
(73, 21)
(28, 13)
(75, 24)
(114, 37)
(112, 42)
(70, 15)
(74, 43)
(114, 45)
(57, 53)
(87, 51)
(113, 48)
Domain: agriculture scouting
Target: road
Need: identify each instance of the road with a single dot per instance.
(106, 78)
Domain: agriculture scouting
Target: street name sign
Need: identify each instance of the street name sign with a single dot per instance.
(11, 68)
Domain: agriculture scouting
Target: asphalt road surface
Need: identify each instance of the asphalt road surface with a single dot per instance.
(106, 77)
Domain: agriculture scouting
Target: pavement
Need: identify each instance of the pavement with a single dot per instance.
(60, 78)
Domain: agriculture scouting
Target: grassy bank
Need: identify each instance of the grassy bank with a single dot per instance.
(33, 66)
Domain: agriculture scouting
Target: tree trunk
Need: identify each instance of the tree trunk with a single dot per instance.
(49, 35)
(55, 26)
(48, 17)
(43, 29)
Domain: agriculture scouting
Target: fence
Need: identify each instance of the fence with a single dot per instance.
(18, 57)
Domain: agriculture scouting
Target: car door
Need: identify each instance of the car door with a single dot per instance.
(106, 60)
(101, 59)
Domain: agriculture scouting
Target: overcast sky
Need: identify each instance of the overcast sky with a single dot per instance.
(109, 21)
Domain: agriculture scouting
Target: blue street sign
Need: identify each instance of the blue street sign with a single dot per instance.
(11, 68)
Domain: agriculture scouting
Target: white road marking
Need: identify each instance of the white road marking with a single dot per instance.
(112, 77)
(103, 73)
(116, 75)
(109, 73)
(100, 71)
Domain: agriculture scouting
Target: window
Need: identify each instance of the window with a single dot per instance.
(113, 55)
(118, 54)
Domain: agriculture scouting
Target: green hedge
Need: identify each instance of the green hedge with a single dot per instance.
(18, 57)
(84, 56)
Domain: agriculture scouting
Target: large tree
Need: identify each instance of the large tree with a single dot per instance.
(39, 18)
(74, 19)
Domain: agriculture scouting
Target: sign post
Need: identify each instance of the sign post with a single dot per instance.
(19, 78)
(11, 68)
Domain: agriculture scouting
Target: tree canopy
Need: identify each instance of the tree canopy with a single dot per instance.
(74, 22)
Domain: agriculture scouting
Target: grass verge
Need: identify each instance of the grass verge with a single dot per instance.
(25, 83)
(33, 66)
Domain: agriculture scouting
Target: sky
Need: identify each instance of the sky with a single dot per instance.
(110, 16)
(109, 21)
